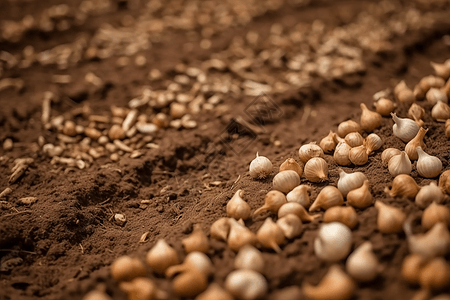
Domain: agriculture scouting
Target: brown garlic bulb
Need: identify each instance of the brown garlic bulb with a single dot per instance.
(435, 274)
(370, 120)
(441, 70)
(142, 289)
(372, 143)
(440, 111)
(410, 148)
(428, 194)
(300, 195)
(194, 260)
(291, 164)
(360, 197)
(161, 257)
(126, 268)
(214, 292)
(219, 229)
(249, 258)
(286, 181)
(272, 202)
(416, 112)
(403, 93)
(237, 208)
(343, 214)
(384, 107)
(316, 169)
(435, 213)
(239, 236)
(425, 84)
(269, 235)
(346, 127)
(400, 164)
(349, 181)
(388, 154)
(411, 267)
(444, 181)
(403, 185)
(328, 197)
(341, 153)
(291, 225)
(390, 219)
(296, 209)
(363, 264)
(246, 284)
(358, 155)
(308, 151)
(336, 285)
(435, 242)
(328, 143)
(197, 241)
(354, 139)
(190, 283)
(434, 95)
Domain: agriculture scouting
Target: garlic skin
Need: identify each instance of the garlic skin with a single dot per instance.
(214, 292)
(328, 143)
(328, 197)
(444, 181)
(341, 153)
(291, 164)
(346, 127)
(435, 274)
(372, 143)
(197, 241)
(246, 284)
(428, 166)
(249, 258)
(360, 197)
(343, 214)
(190, 283)
(411, 266)
(417, 141)
(434, 95)
(435, 242)
(272, 202)
(300, 195)
(350, 181)
(193, 261)
(142, 288)
(161, 257)
(333, 242)
(291, 225)
(370, 120)
(358, 155)
(428, 194)
(219, 229)
(260, 167)
(237, 208)
(404, 128)
(239, 236)
(403, 93)
(269, 235)
(316, 170)
(400, 164)
(435, 213)
(403, 185)
(384, 106)
(336, 285)
(354, 139)
(308, 151)
(362, 264)
(390, 219)
(296, 209)
(286, 181)
(440, 111)
(126, 268)
(388, 154)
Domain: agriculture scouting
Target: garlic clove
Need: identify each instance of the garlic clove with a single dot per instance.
(249, 258)
(434, 95)
(286, 181)
(435, 274)
(400, 164)
(237, 208)
(269, 235)
(316, 170)
(214, 292)
(404, 128)
(435, 242)
(372, 143)
(444, 181)
(403, 185)
(390, 219)
(142, 289)
(343, 214)
(428, 166)
(291, 225)
(363, 264)
(435, 213)
(272, 202)
(440, 111)
(354, 139)
(333, 242)
(428, 194)
(360, 197)
(335, 285)
(403, 93)
(388, 154)
(308, 151)
(358, 155)
(328, 197)
(384, 106)
(341, 153)
(411, 267)
(193, 261)
(296, 209)
(328, 143)
(349, 181)
(411, 146)
(300, 195)
(197, 241)
(291, 164)
(190, 283)
(370, 120)
(239, 236)
(260, 167)
(219, 229)
(346, 127)
(246, 284)
(126, 268)
(161, 256)
(441, 70)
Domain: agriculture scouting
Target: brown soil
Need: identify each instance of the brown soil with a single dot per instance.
(61, 246)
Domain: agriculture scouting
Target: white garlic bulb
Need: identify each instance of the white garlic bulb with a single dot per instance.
(308, 151)
(428, 166)
(404, 128)
(246, 284)
(316, 169)
(400, 164)
(249, 258)
(440, 111)
(237, 208)
(362, 264)
(286, 181)
(291, 225)
(300, 194)
(260, 167)
(388, 154)
(161, 257)
(333, 242)
(434, 95)
(349, 181)
(429, 193)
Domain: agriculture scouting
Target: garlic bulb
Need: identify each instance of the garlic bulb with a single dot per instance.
(316, 170)
(400, 164)
(126, 268)
(291, 164)
(296, 209)
(291, 225)
(435, 213)
(362, 264)
(410, 148)
(341, 152)
(214, 292)
(286, 181)
(96, 295)
(404, 128)
(372, 143)
(411, 267)
(161, 257)
(428, 166)
(246, 284)
(333, 242)
(239, 236)
(440, 111)
(434, 95)
(403, 185)
(354, 139)
(237, 208)
(343, 214)
(328, 197)
(193, 261)
(308, 151)
(197, 241)
(390, 219)
(260, 167)
(142, 289)
(425, 84)
(441, 70)
(350, 181)
(269, 235)
(272, 202)
(403, 93)
(435, 274)
(427, 194)
(328, 143)
(219, 229)
(416, 112)
(360, 197)
(249, 258)
(384, 106)
(300, 195)
(336, 285)
(435, 242)
(190, 283)
(388, 154)
(358, 155)
(444, 181)
(346, 127)
(370, 120)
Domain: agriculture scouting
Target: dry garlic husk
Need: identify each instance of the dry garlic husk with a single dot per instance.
(444, 181)
(249, 258)
(435, 213)
(362, 264)
(308, 151)
(126, 268)
(300, 195)
(417, 141)
(291, 225)
(435, 274)
(372, 143)
(390, 219)
(358, 155)
(349, 181)
(197, 241)
(269, 235)
(388, 154)
(354, 139)
(190, 283)
(296, 209)
(316, 170)
(428, 194)
(434, 95)
(260, 167)
(403, 185)
(441, 70)
(440, 111)
(416, 112)
(403, 93)
(346, 127)
(286, 181)
(237, 208)
(219, 229)
(214, 292)
(161, 257)
(333, 242)
(142, 289)
(360, 197)
(291, 164)
(272, 202)
(328, 197)
(239, 236)
(370, 120)
(384, 106)
(328, 143)
(193, 261)
(246, 284)
(400, 164)
(343, 214)
(336, 285)
(435, 242)
(404, 128)
(428, 166)
(341, 152)
(411, 267)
